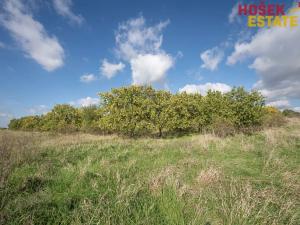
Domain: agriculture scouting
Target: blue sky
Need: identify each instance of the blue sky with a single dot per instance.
(67, 51)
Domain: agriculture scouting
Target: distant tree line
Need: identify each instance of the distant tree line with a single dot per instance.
(290, 113)
(142, 110)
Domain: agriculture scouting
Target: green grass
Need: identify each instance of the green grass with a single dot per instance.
(201, 179)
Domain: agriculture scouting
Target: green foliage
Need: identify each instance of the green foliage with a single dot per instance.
(216, 106)
(90, 116)
(127, 110)
(62, 118)
(182, 112)
(142, 110)
(160, 110)
(246, 107)
(28, 123)
(14, 124)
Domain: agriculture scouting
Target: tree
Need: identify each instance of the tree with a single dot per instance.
(159, 115)
(127, 110)
(30, 123)
(215, 106)
(246, 107)
(138, 110)
(181, 111)
(14, 124)
(90, 116)
(62, 118)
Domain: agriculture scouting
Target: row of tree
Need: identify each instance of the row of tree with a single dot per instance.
(140, 110)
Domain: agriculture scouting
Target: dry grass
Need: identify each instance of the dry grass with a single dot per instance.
(201, 179)
(209, 176)
(15, 148)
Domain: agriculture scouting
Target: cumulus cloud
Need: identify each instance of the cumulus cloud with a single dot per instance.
(148, 68)
(63, 8)
(39, 109)
(32, 36)
(134, 38)
(140, 46)
(84, 102)
(87, 78)
(297, 109)
(281, 104)
(204, 88)
(276, 58)
(211, 58)
(109, 70)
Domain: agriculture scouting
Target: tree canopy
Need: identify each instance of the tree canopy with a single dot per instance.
(140, 110)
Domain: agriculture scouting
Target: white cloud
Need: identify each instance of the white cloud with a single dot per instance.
(234, 16)
(281, 104)
(38, 110)
(84, 102)
(63, 8)
(134, 38)
(297, 109)
(32, 36)
(109, 70)
(147, 69)
(211, 58)
(276, 58)
(140, 46)
(204, 88)
(5, 114)
(87, 78)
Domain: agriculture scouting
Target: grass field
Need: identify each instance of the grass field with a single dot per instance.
(199, 179)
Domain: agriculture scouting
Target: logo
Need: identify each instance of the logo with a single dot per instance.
(269, 15)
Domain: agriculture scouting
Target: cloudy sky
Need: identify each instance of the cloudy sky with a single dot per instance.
(67, 51)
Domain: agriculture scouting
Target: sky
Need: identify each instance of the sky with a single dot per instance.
(67, 51)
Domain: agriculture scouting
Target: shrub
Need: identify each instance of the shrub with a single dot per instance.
(141, 110)
(181, 113)
(127, 110)
(246, 108)
(14, 124)
(62, 118)
(90, 116)
(272, 117)
(160, 111)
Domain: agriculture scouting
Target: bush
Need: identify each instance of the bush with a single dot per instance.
(90, 116)
(62, 118)
(141, 110)
(272, 117)
(246, 108)
(128, 109)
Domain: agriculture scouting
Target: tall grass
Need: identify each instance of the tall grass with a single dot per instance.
(200, 179)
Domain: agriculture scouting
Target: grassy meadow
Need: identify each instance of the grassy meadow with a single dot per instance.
(197, 179)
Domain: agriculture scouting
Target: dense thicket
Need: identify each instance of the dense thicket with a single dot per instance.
(141, 110)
